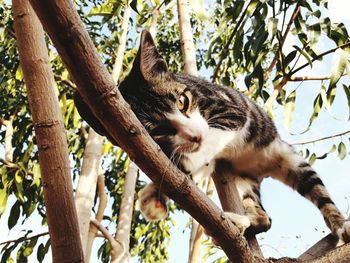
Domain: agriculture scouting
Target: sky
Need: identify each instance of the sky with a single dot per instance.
(296, 223)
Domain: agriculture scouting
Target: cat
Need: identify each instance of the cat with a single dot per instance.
(199, 124)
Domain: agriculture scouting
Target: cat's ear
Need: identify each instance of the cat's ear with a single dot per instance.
(152, 65)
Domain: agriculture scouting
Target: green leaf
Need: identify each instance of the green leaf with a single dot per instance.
(341, 151)
(272, 26)
(14, 215)
(347, 93)
(3, 200)
(289, 108)
(290, 57)
(338, 67)
(318, 102)
(312, 159)
(314, 32)
(305, 55)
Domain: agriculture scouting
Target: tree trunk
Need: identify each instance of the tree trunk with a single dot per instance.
(98, 89)
(117, 68)
(86, 188)
(50, 137)
(126, 210)
(187, 46)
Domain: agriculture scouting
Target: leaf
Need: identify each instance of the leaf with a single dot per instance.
(314, 32)
(289, 108)
(305, 55)
(272, 26)
(290, 57)
(347, 93)
(3, 200)
(341, 151)
(14, 215)
(312, 159)
(318, 102)
(339, 63)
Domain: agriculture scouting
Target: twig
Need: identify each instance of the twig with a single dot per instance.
(303, 78)
(22, 239)
(295, 13)
(321, 139)
(216, 71)
(13, 166)
(318, 57)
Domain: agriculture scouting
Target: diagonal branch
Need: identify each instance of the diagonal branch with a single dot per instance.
(321, 139)
(284, 37)
(96, 86)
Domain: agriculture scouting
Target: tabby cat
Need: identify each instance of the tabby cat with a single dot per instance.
(198, 124)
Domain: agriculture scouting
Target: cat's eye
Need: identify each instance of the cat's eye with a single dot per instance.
(184, 101)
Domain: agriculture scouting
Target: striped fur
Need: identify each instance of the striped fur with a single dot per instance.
(218, 123)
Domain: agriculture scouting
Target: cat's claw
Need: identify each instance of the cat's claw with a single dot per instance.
(153, 203)
(344, 233)
(242, 222)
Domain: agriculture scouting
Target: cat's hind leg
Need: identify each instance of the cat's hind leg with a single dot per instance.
(298, 174)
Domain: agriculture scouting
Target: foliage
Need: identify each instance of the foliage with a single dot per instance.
(241, 43)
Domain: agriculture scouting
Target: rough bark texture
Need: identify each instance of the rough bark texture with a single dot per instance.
(86, 188)
(50, 137)
(96, 86)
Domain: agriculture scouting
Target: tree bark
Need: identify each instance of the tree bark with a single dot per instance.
(187, 45)
(126, 210)
(225, 183)
(86, 188)
(96, 86)
(117, 67)
(102, 196)
(49, 131)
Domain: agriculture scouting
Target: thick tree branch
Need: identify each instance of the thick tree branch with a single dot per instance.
(67, 32)
(50, 137)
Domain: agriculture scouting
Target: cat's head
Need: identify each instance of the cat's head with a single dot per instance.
(166, 107)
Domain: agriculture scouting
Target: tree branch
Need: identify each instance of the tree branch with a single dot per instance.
(303, 78)
(235, 29)
(22, 239)
(96, 86)
(117, 249)
(293, 16)
(318, 57)
(321, 139)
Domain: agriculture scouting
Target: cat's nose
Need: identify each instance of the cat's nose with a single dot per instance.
(196, 138)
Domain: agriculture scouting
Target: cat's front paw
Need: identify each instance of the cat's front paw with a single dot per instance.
(242, 222)
(344, 233)
(153, 203)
